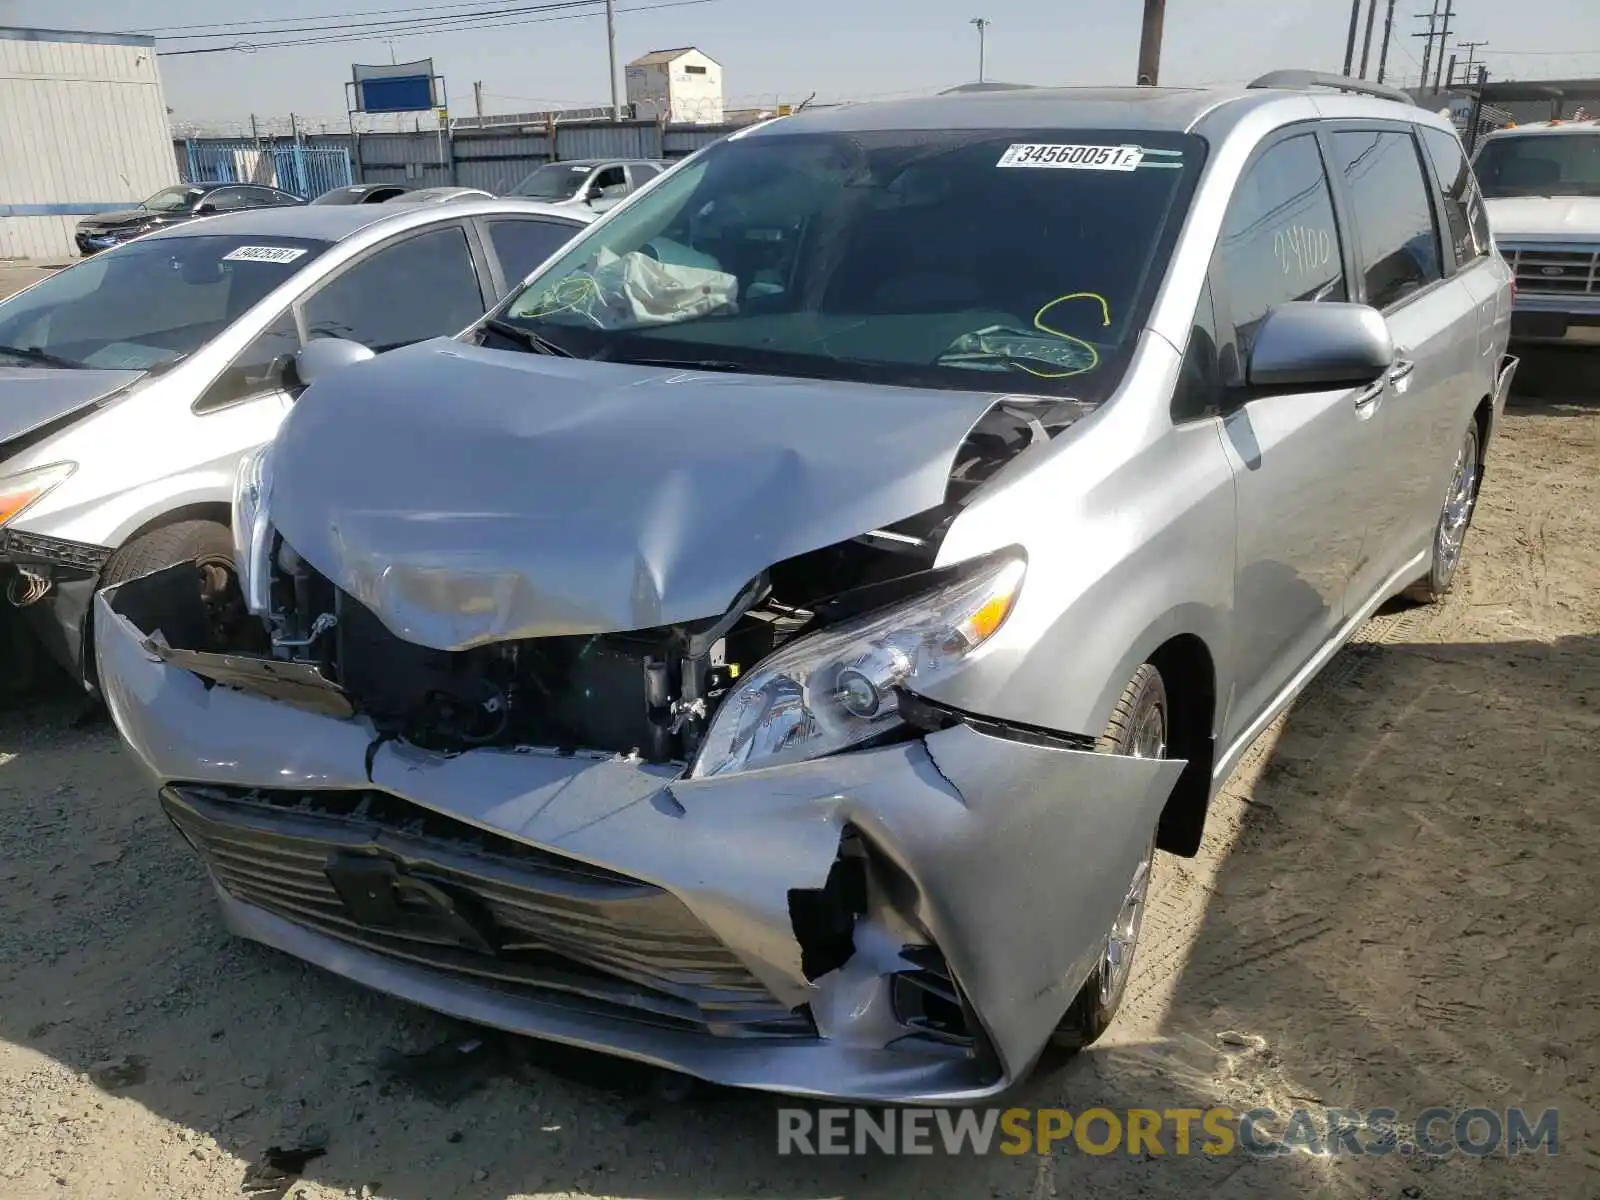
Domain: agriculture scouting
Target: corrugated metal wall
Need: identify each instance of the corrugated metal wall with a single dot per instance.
(498, 163)
(496, 159)
(83, 128)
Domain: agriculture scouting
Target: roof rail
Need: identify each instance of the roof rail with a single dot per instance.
(1300, 80)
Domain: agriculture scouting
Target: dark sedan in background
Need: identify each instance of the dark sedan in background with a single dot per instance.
(173, 206)
(362, 193)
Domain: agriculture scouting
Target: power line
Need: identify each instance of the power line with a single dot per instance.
(1545, 53)
(391, 22)
(226, 27)
(414, 30)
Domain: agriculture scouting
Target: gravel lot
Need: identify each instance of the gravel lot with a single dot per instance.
(1393, 908)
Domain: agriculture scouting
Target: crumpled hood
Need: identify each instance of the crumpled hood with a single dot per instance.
(35, 396)
(1549, 218)
(469, 496)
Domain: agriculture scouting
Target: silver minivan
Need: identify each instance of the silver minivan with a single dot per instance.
(775, 641)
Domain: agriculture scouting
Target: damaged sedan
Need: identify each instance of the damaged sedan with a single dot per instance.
(774, 643)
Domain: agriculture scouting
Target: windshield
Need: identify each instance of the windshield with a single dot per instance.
(1551, 164)
(146, 304)
(554, 181)
(1015, 259)
(172, 199)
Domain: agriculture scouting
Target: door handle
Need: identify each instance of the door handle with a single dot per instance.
(1369, 395)
(1401, 369)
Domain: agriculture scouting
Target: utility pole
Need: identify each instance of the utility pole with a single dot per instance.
(477, 98)
(1155, 17)
(1468, 68)
(1350, 42)
(1450, 75)
(1427, 51)
(1444, 42)
(1366, 45)
(1388, 33)
(611, 45)
(982, 24)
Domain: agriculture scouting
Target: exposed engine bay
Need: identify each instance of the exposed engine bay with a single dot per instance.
(648, 693)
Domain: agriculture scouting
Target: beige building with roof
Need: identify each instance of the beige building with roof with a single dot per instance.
(684, 85)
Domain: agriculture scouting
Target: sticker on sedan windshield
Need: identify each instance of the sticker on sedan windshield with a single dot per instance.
(1072, 158)
(271, 254)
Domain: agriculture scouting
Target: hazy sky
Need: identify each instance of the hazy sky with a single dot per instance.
(772, 50)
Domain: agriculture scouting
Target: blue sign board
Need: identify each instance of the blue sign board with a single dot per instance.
(405, 93)
(396, 87)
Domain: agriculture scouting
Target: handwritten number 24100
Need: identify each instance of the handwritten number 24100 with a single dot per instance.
(1301, 249)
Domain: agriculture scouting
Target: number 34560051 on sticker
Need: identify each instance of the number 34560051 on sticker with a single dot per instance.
(1072, 158)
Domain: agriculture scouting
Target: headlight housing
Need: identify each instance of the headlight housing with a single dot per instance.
(252, 531)
(26, 488)
(836, 689)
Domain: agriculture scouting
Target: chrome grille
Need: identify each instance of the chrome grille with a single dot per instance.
(1556, 270)
(561, 931)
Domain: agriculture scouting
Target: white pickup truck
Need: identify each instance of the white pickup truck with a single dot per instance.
(1541, 183)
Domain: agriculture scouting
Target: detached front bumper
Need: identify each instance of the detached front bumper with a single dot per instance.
(906, 923)
(68, 572)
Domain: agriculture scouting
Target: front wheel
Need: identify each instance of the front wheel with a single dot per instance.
(1455, 519)
(1138, 728)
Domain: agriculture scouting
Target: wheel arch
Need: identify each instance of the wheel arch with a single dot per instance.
(202, 510)
(199, 510)
(1188, 669)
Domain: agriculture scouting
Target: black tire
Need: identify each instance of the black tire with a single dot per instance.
(1441, 576)
(182, 541)
(1096, 1004)
(207, 544)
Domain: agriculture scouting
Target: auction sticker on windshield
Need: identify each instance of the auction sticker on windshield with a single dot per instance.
(271, 254)
(1072, 158)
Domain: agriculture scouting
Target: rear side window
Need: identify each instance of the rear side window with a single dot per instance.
(1463, 204)
(1280, 241)
(1393, 213)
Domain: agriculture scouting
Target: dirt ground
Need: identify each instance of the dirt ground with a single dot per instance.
(1394, 907)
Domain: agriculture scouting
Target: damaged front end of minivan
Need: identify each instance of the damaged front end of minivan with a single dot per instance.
(564, 721)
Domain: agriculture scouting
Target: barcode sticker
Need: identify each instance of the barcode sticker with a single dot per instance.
(1072, 158)
(271, 254)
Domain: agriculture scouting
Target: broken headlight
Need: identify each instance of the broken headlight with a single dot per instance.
(836, 689)
(23, 490)
(252, 531)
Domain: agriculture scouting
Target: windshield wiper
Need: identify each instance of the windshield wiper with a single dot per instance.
(527, 338)
(34, 355)
(686, 364)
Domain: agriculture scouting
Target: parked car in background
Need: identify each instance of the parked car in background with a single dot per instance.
(362, 193)
(173, 206)
(439, 195)
(593, 183)
(1542, 182)
(774, 642)
(131, 384)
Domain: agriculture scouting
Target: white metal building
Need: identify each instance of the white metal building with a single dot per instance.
(83, 129)
(683, 84)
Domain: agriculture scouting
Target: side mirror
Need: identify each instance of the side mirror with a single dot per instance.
(205, 209)
(322, 357)
(1312, 346)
